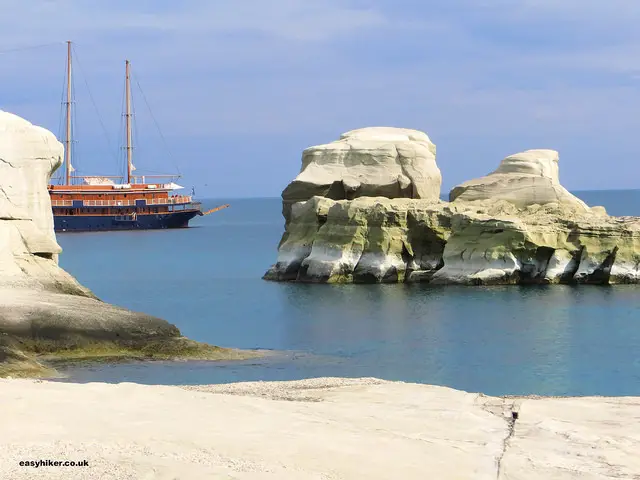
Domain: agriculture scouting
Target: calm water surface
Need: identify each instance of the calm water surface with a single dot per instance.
(555, 340)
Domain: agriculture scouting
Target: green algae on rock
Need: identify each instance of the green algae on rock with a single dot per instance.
(517, 225)
(34, 337)
(44, 312)
(379, 240)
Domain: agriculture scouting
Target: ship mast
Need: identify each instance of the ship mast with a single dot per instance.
(128, 120)
(67, 142)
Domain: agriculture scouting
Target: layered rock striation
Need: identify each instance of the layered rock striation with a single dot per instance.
(43, 309)
(517, 225)
(28, 247)
(527, 178)
(369, 162)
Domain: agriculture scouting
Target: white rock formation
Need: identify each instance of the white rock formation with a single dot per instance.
(28, 156)
(312, 429)
(42, 307)
(28, 248)
(372, 240)
(516, 225)
(376, 161)
(527, 178)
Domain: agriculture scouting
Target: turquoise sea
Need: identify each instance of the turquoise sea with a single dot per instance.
(548, 340)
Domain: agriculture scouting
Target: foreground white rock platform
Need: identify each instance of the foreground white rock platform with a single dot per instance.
(312, 429)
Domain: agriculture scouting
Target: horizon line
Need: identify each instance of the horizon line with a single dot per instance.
(279, 197)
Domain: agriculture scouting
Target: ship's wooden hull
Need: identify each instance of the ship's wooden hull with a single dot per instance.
(97, 223)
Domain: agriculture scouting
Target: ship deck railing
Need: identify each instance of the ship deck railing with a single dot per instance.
(170, 201)
(177, 200)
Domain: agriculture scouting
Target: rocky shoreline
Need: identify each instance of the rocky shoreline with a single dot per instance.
(517, 225)
(44, 312)
(40, 329)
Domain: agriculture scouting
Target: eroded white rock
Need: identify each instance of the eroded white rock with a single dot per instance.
(516, 225)
(377, 161)
(28, 156)
(375, 240)
(524, 179)
(562, 266)
(28, 249)
(43, 309)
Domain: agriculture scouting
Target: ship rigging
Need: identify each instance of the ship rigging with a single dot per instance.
(100, 203)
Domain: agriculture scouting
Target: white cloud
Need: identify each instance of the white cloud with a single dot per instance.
(522, 72)
(30, 21)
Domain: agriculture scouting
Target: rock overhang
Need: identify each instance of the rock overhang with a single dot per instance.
(517, 224)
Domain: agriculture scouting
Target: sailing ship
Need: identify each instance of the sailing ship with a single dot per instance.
(95, 203)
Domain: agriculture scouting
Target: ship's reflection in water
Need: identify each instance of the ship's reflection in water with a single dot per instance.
(548, 340)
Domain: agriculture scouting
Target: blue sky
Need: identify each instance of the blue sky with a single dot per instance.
(241, 87)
